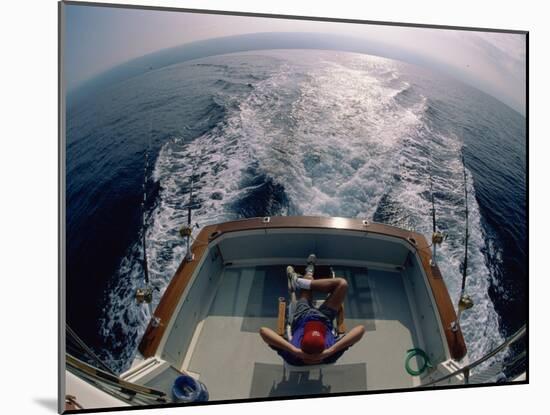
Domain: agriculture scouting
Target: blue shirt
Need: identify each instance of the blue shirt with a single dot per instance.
(298, 333)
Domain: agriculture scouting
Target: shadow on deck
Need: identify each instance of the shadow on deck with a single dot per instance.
(234, 363)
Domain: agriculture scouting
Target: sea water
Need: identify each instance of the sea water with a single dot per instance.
(299, 132)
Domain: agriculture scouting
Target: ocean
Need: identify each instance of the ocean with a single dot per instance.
(289, 132)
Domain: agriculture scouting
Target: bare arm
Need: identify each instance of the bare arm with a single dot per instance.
(273, 339)
(352, 337)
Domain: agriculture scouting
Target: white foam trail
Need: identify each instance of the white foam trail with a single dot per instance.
(480, 324)
(215, 160)
(341, 157)
(331, 131)
(333, 147)
(124, 322)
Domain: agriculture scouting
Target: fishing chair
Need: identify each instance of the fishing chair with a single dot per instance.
(286, 315)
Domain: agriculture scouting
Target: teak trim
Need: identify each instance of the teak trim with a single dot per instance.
(171, 298)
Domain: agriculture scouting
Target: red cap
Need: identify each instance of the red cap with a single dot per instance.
(313, 341)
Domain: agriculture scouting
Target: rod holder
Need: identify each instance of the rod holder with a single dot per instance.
(185, 232)
(189, 256)
(433, 263)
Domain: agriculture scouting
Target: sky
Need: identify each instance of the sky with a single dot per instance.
(100, 38)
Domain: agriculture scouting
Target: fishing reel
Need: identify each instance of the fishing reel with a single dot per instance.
(186, 231)
(144, 295)
(438, 237)
(465, 303)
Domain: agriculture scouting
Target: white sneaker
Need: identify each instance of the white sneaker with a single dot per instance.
(310, 269)
(292, 278)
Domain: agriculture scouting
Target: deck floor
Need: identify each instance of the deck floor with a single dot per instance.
(230, 357)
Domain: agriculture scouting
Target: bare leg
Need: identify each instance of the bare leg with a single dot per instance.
(337, 287)
(306, 293)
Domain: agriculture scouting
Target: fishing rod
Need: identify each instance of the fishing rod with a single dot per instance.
(464, 302)
(465, 264)
(143, 205)
(437, 236)
(145, 294)
(84, 349)
(187, 230)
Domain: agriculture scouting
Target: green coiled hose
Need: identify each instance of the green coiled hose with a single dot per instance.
(426, 361)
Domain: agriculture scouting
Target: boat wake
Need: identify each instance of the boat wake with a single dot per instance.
(329, 134)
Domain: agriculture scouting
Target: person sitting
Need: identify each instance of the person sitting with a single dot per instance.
(313, 340)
